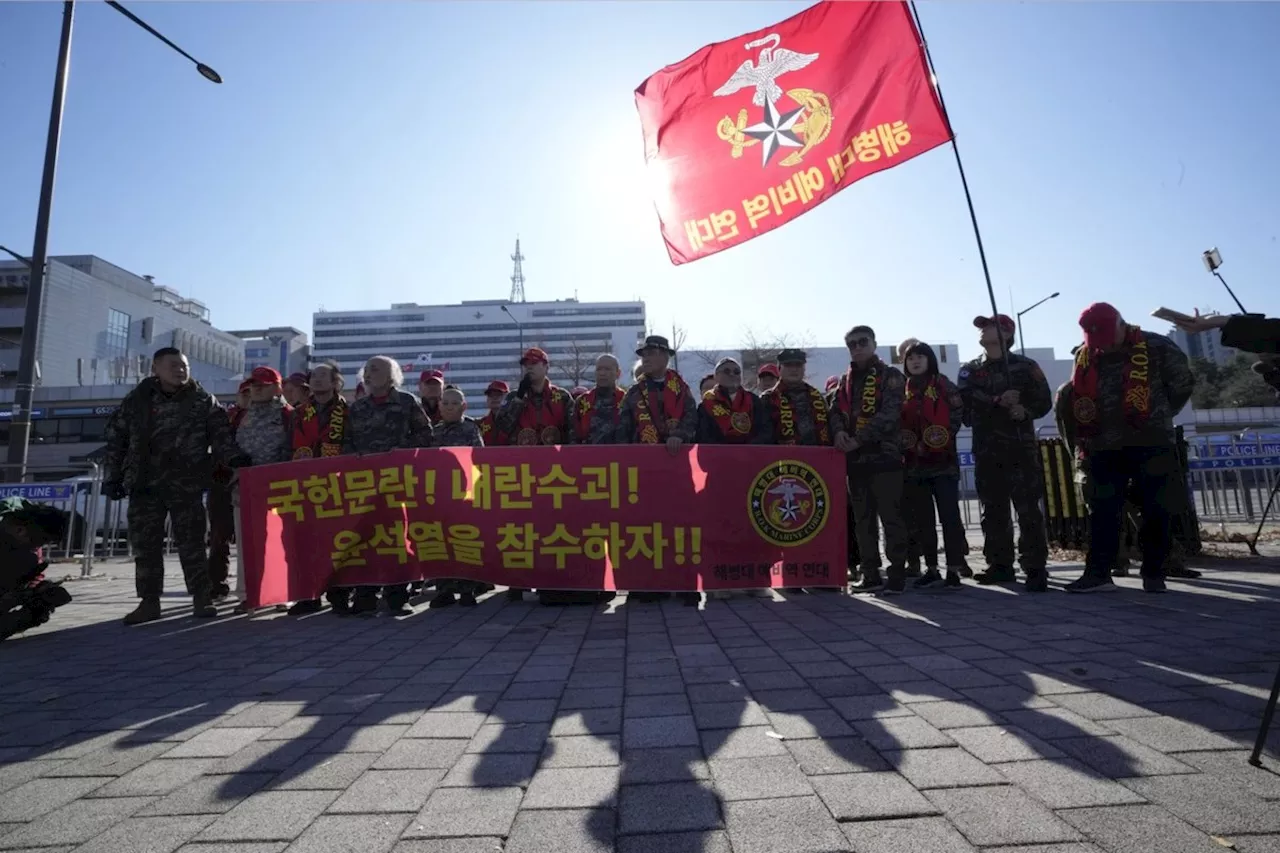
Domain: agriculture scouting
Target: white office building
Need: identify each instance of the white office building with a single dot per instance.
(1206, 345)
(477, 342)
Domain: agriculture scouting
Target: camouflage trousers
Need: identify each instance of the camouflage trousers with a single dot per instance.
(222, 529)
(1012, 477)
(148, 510)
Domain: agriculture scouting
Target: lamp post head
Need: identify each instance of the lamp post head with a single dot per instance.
(208, 73)
(1053, 295)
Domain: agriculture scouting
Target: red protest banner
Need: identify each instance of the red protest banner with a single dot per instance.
(747, 134)
(599, 518)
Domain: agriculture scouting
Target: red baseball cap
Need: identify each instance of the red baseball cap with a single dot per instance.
(1099, 322)
(497, 386)
(429, 375)
(769, 370)
(533, 355)
(265, 376)
(1003, 320)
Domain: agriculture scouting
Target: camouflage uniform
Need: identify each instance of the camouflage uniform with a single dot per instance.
(709, 431)
(1117, 453)
(1007, 462)
(158, 454)
(507, 420)
(628, 429)
(396, 423)
(875, 469)
(604, 416)
(463, 433)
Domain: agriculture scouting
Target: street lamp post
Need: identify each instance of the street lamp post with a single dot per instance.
(1022, 344)
(519, 326)
(24, 391)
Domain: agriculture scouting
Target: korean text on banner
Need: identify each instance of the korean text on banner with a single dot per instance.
(595, 518)
(747, 134)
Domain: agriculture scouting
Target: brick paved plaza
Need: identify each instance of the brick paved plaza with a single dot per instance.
(930, 723)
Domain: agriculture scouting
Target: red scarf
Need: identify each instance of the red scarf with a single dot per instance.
(732, 416)
(868, 398)
(670, 407)
(490, 433)
(784, 415)
(1137, 385)
(541, 425)
(926, 423)
(586, 404)
(314, 436)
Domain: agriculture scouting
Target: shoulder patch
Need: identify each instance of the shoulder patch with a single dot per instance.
(964, 372)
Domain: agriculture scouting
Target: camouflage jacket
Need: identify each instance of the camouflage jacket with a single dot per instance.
(605, 416)
(396, 423)
(982, 381)
(880, 440)
(1171, 385)
(629, 430)
(709, 431)
(265, 434)
(159, 439)
(801, 399)
(464, 433)
(507, 421)
(1066, 421)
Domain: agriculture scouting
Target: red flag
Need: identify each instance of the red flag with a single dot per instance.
(746, 135)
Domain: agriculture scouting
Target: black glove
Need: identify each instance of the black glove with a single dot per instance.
(525, 388)
(114, 490)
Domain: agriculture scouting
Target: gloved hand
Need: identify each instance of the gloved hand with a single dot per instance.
(525, 388)
(114, 490)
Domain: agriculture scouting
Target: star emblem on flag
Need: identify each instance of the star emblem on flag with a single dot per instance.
(776, 131)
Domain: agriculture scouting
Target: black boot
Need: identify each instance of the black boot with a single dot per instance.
(870, 582)
(302, 608)
(930, 580)
(148, 610)
(896, 583)
(996, 574)
(443, 599)
(202, 606)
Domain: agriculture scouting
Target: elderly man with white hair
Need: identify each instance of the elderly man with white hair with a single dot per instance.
(385, 419)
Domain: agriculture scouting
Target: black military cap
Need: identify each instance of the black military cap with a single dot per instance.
(655, 342)
(792, 356)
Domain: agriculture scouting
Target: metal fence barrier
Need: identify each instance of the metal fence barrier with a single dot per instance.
(80, 497)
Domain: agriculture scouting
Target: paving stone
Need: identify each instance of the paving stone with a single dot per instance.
(809, 724)
(1119, 757)
(263, 756)
(647, 766)
(589, 721)
(435, 724)
(566, 831)
(516, 737)
(1169, 735)
(907, 835)
(727, 715)
(1072, 847)
(1051, 723)
(873, 707)
(1065, 783)
(1100, 706)
(1256, 843)
(375, 833)
(1210, 804)
(324, 771)
(954, 715)
(658, 732)
(759, 778)
(656, 706)
(668, 807)
(1000, 815)
(270, 816)
(421, 754)
(113, 761)
(155, 777)
(573, 788)
(676, 842)
(577, 699)
(791, 825)
(40, 796)
(454, 812)
(789, 700)
(75, 823)
(363, 739)
(147, 835)
(308, 727)
(717, 693)
(942, 768)
(581, 752)
(209, 795)
(1005, 698)
(862, 796)
(217, 743)
(818, 757)
(1233, 767)
(844, 685)
(388, 791)
(526, 710)
(1138, 829)
(1003, 743)
(902, 733)
(500, 770)
(741, 743)
(533, 690)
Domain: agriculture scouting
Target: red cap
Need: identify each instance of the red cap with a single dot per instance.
(245, 386)
(833, 382)
(429, 375)
(1099, 322)
(533, 355)
(769, 370)
(497, 386)
(1004, 320)
(265, 376)
(299, 379)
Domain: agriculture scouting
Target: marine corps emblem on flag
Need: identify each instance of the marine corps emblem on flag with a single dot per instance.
(788, 504)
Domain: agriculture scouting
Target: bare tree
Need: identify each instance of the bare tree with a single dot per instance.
(760, 348)
(578, 368)
(678, 335)
(709, 358)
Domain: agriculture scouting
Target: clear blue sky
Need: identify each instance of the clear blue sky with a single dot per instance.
(366, 153)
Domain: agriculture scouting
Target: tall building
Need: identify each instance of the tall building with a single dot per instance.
(477, 342)
(101, 324)
(282, 347)
(1206, 345)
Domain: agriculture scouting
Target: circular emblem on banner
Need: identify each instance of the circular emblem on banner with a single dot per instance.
(302, 453)
(1085, 410)
(788, 503)
(550, 435)
(908, 438)
(527, 437)
(740, 421)
(936, 437)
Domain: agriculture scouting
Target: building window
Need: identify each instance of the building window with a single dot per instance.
(117, 332)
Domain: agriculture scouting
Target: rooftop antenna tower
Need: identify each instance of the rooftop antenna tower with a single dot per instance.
(517, 275)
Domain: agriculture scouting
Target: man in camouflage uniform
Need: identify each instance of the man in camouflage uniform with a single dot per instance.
(867, 425)
(158, 456)
(430, 389)
(454, 429)
(659, 409)
(385, 419)
(1004, 393)
(1127, 386)
(597, 413)
(493, 397)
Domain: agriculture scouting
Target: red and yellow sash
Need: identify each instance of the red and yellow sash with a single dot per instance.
(586, 404)
(541, 425)
(868, 400)
(732, 416)
(926, 422)
(311, 438)
(1136, 387)
(489, 432)
(784, 415)
(670, 407)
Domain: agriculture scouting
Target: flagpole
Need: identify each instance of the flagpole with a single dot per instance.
(964, 182)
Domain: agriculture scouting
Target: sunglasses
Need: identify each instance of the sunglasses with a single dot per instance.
(730, 371)
(858, 342)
